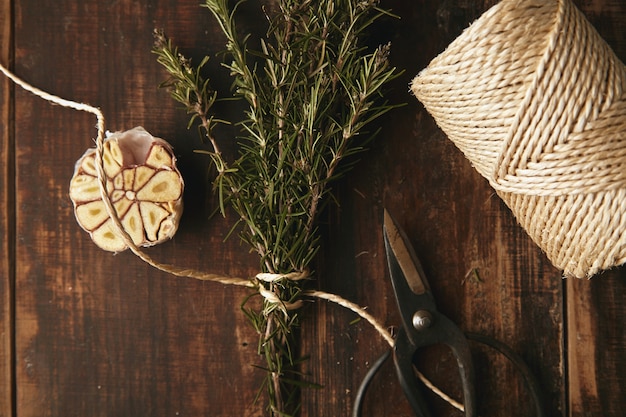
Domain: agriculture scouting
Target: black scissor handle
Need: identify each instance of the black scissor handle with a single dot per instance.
(403, 356)
(443, 331)
(412, 386)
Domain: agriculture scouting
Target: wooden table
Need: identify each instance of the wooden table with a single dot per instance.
(85, 333)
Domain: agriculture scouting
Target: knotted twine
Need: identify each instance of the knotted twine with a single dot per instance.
(535, 99)
(256, 283)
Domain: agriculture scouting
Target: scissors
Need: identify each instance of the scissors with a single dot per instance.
(423, 325)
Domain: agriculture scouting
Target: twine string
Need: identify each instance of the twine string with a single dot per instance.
(254, 283)
(265, 288)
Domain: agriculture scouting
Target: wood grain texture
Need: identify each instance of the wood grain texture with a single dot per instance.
(104, 335)
(7, 213)
(596, 345)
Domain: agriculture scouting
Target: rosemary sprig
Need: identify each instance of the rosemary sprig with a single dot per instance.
(311, 89)
(186, 84)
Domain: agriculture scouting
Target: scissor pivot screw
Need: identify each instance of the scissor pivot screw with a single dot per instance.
(422, 319)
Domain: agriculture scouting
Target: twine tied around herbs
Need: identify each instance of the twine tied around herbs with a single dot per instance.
(271, 296)
(535, 99)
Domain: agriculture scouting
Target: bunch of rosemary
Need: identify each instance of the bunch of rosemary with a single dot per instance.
(310, 87)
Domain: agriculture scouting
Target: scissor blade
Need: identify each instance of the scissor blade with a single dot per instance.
(405, 256)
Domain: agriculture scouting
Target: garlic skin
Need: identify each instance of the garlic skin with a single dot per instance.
(143, 184)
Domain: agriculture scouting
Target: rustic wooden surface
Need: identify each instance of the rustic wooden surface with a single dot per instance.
(7, 236)
(86, 333)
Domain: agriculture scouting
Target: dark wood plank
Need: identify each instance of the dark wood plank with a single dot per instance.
(7, 213)
(597, 345)
(103, 335)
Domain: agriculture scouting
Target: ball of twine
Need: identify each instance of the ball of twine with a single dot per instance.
(535, 99)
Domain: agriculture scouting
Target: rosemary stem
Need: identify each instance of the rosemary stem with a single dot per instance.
(275, 376)
(308, 86)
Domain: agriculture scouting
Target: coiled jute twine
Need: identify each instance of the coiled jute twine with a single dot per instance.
(261, 282)
(535, 99)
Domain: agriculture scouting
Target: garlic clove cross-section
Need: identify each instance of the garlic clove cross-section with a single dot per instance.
(143, 184)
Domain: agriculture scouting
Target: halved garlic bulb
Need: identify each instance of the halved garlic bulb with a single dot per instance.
(143, 184)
